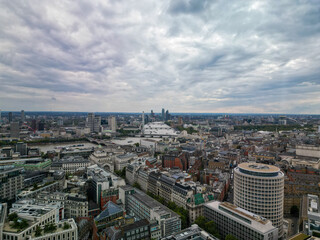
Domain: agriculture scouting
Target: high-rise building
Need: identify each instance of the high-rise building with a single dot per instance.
(112, 123)
(10, 117)
(152, 114)
(14, 130)
(97, 124)
(259, 188)
(167, 115)
(90, 120)
(0, 117)
(163, 115)
(23, 117)
(34, 124)
(240, 223)
(22, 148)
(143, 121)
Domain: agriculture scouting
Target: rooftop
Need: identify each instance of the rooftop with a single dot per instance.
(259, 167)
(243, 216)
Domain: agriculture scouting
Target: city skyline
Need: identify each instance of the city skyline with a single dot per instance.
(186, 56)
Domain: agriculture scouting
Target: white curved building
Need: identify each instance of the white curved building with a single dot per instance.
(259, 188)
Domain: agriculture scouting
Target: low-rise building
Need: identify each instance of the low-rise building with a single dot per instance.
(70, 164)
(193, 232)
(242, 224)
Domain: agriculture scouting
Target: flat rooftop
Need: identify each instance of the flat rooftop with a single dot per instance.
(258, 167)
(243, 216)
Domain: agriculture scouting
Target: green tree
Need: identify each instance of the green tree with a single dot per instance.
(66, 225)
(13, 216)
(200, 221)
(136, 185)
(38, 231)
(230, 237)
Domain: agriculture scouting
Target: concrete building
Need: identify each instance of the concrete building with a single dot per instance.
(62, 232)
(241, 223)
(159, 129)
(75, 205)
(311, 213)
(70, 164)
(11, 183)
(103, 185)
(259, 188)
(102, 158)
(23, 117)
(180, 194)
(112, 123)
(14, 130)
(193, 232)
(123, 160)
(308, 151)
(37, 215)
(142, 206)
(3, 214)
(94, 123)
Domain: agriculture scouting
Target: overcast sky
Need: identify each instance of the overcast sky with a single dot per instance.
(185, 55)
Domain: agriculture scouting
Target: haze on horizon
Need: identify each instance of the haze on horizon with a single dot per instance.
(182, 55)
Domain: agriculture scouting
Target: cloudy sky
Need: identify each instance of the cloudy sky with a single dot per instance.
(185, 55)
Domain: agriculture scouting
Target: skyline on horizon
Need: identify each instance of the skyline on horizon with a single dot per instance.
(188, 56)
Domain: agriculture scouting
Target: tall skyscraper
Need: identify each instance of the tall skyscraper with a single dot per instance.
(90, 121)
(112, 123)
(167, 115)
(14, 130)
(0, 117)
(163, 115)
(10, 117)
(97, 124)
(152, 114)
(23, 118)
(259, 188)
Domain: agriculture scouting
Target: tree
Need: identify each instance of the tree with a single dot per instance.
(200, 221)
(13, 216)
(230, 237)
(38, 231)
(66, 225)
(294, 210)
(136, 185)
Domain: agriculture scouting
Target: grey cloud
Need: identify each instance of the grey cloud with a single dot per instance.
(186, 55)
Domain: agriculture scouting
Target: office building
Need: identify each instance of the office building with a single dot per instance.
(11, 183)
(259, 188)
(14, 130)
(103, 185)
(112, 123)
(193, 232)
(22, 148)
(70, 164)
(3, 214)
(167, 115)
(97, 124)
(163, 115)
(238, 222)
(142, 206)
(1, 118)
(23, 117)
(94, 123)
(310, 214)
(10, 117)
(75, 205)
